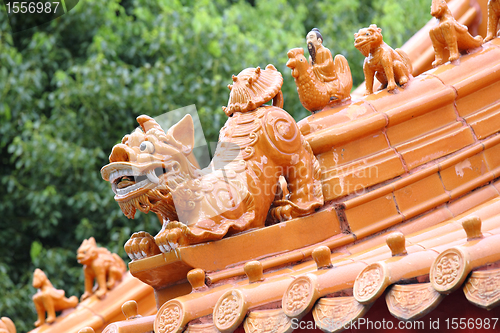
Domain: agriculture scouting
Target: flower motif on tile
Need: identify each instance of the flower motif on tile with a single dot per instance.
(297, 296)
(368, 282)
(228, 310)
(483, 288)
(409, 302)
(168, 319)
(267, 321)
(447, 269)
(331, 314)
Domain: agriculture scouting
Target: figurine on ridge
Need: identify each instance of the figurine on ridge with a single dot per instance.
(49, 299)
(449, 35)
(154, 170)
(381, 60)
(493, 19)
(99, 264)
(322, 80)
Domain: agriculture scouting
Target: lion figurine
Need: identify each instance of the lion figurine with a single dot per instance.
(388, 65)
(99, 264)
(49, 299)
(449, 35)
(493, 18)
(154, 170)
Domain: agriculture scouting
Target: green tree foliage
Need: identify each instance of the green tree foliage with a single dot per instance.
(71, 88)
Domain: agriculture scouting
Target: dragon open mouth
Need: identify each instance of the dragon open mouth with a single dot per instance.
(128, 181)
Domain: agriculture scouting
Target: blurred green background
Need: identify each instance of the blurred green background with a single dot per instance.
(70, 89)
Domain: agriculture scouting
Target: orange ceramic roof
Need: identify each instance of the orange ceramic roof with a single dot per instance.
(440, 136)
(425, 159)
(97, 314)
(370, 269)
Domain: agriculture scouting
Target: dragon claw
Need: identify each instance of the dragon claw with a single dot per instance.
(141, 245)
(171, 237)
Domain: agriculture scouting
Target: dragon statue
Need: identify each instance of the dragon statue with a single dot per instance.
(381, 60)
(154, 170)
(449, 35)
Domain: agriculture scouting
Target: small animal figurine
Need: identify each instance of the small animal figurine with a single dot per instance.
(493, 18)
(49, 299)
(100, 264)
(322, 80)
(7, 326)
(381, 60)
(449, 35)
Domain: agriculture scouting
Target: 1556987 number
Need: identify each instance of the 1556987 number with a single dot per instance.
(31, 7)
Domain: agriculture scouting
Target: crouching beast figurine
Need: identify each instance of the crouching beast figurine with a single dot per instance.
(98, 263)
(449, 36)
(154, 170)
(49, 299)
(388, 65)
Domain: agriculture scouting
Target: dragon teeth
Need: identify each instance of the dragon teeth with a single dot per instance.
(123, 172)
(123, 191)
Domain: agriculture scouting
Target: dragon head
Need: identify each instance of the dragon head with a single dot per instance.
(367, 39)
(148, 164)
(297, 61)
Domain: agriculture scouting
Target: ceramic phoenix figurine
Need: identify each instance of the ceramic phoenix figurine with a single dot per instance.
(322, 80)
(449, 35)
(49, 299)
(388, 65)
(98, 263)
(155, 170)
(493, 19)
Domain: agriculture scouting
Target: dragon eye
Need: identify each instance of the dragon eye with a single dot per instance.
(147, 147)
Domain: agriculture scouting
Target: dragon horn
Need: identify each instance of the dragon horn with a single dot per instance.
(148, 123)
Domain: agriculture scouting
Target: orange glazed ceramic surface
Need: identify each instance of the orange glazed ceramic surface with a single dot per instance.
(493, 17)
(400, 198)
(389, 66)
(449, 35)
(98, 263)
(49, 299)
(153, 170)
(322, 80)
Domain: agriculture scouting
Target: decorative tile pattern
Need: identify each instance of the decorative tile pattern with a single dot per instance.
(169, 318)
(267, 321)
(332, 314)
(412, 301)
(483, 288)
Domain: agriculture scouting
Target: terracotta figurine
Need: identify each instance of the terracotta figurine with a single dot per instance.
(49, 299)
(388, 65)
(154, 170)
(98, 263)
(493, 18)
(449, 35)
(7, 326)
(322, 80)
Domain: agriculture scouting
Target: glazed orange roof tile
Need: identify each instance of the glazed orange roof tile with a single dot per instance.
(395, 215)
